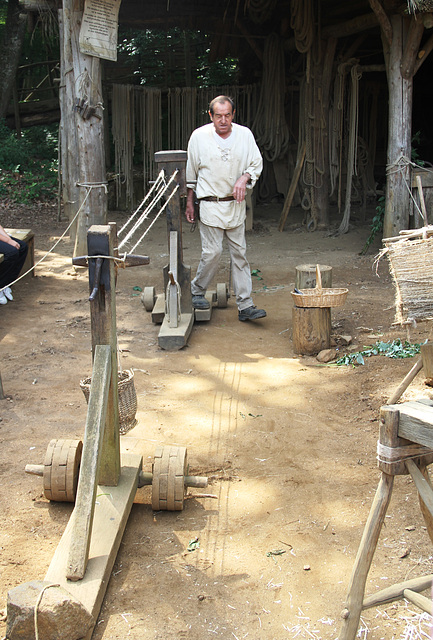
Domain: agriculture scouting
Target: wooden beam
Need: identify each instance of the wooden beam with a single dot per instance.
(416, 424)
(406, 382)
(349, 28)
(111, 515)
(251, 41)
(102, 239)
(82, 516)
(383, 19)
(423, 54)
(416, 30)
(424, 603)
(395, 592)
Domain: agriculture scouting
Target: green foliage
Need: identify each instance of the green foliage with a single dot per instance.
(416, 139)
(394, 349)
(28, 165)
(376, 225)
(174, 58)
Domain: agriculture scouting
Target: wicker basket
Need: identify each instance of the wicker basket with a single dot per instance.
(319, 297)
(127, 399)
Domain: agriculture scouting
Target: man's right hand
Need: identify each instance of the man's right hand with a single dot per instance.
(189, 212)
(190, 209)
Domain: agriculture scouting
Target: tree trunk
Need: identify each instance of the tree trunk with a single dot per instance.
(397, 201)
(10, 52)
(82, 134)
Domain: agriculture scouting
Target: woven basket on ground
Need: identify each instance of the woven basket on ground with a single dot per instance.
(127, 399)
(319, 297)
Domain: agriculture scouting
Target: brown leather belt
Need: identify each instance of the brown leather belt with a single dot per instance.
(217, 199)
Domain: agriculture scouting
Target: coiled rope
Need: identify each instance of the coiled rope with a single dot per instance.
(351, 164)
(270, 125)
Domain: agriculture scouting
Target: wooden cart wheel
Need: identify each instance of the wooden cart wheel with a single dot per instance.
(221, 295)
(170, 467)
(61, 469)
(148, 298)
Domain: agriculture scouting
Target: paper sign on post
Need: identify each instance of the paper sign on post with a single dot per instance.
(98, 33)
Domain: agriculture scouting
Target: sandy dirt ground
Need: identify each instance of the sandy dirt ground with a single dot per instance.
(288, 445)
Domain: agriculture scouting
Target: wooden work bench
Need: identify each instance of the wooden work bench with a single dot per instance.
(405, 447)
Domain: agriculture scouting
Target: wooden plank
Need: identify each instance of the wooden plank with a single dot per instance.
(174, 339)
(83, 513)
(173, 302)
(158, 311)
(416, 425)
(111, 515)
(102, 239)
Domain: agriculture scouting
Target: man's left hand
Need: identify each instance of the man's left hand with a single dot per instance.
(240, 188)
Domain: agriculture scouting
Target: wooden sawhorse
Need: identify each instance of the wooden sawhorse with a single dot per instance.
(405, 447)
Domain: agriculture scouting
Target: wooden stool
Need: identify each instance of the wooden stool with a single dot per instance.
(405, 446)
(311, 325)
(311, 329)
(306, 276)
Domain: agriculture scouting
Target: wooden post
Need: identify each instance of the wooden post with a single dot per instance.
(306, 276)
(174, 333)
(397, 201)
(82, 122)
(69, 167)
(311, 329)
(101, 242)
(171, 161)
(427, 359)
(364, 557)
(82, 517)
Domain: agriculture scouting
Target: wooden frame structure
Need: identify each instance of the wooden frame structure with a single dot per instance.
(173, 309)
(405, 447)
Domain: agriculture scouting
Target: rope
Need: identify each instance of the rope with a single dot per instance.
(312, 133)
(270, 124)
(399, 454)
(89, 189)
(154, 186)
(178, 297)
(123, 129)
(356, 74)
(400, 166)
(260, 10)
(156, 218)
(146, 212)
(302, 23)
(38, 602)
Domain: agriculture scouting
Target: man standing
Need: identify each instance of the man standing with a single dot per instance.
(223, 161)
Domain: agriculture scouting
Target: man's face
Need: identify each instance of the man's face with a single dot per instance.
(222, 118)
